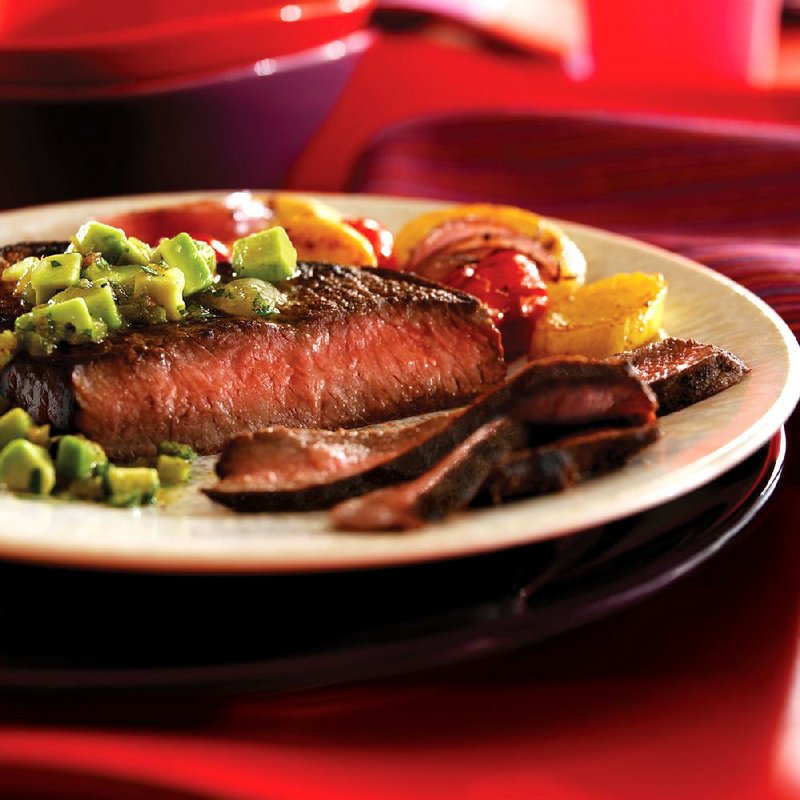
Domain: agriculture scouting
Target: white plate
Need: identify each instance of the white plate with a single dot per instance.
(193, 534)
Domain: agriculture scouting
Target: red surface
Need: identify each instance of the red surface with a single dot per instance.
(700, 40)
(688, 695)
(693, 694)
(402, 77)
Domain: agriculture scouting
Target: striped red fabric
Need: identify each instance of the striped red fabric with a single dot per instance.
(725, 196)
(770, 270)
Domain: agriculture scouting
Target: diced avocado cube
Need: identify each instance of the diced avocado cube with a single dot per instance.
(70, 321)
(173, 471)
(77, 458)
(38, 345)
(14, 424)
(191, 259)
(99, 300)
(95, 268)
(132, 485)
(73, 312)
(121, 276)
(269, 255)
(93, 488)
(244, 297)
(26, 467)
(9, 344)
(97, 237)
(55, 273)
(184, 451)
(137, 252)
(98, 269)
(164, 286)
(102, 305)
(24, 323)
(13, 273)
(41, 330)
(207, 253)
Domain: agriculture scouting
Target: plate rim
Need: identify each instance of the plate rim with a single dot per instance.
(167, 559)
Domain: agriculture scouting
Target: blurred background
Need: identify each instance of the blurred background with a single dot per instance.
(100, 98)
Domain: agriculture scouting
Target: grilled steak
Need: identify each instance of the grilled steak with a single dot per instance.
(487, 461)
(682, 371)
(556, 466)
(576, 391)
(282, 470)
(10, 307)
(352, 347)
(447, 487)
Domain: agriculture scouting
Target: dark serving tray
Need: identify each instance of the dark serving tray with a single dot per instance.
(96, 632)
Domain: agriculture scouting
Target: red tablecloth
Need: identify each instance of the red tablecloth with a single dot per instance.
(693, 694)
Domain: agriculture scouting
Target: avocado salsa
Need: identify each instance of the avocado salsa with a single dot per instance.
(107, 282)
(35, 463)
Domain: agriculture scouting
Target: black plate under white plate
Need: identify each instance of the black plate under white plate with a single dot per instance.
(103, 631)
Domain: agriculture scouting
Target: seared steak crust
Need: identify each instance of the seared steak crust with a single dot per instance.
(352, 347)
(683, 371)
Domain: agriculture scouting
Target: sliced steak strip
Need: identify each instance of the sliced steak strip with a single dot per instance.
(352, 347)
(553, 467)
(260, 472)
(682, 371)
(283, 469)
(10, 306)
(448, 487)
(577, 391)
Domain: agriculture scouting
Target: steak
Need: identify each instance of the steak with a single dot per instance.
(10, 306)
(351, 347)
(487, 460)
(573, 391)
(283, 469)
(682, 371)
(447, 487)
(559, 465)
(280, 469)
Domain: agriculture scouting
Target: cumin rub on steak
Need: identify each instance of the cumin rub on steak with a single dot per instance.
(351, 347)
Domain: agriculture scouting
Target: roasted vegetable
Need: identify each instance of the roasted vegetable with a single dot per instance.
(434, 244)
(321, 239)
(606, 317)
